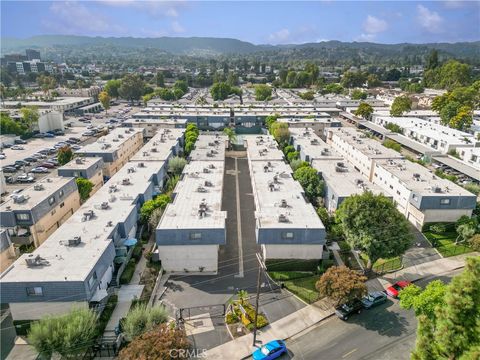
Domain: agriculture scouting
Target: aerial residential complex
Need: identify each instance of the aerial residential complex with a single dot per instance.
(90, 168)
(287, 226)
(77, 264)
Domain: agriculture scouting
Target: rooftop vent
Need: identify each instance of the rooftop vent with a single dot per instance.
(201, 189)
(283, 203)
(76, 240)
(154, 149)
(120, 136)
(416, 177)
(79, 161)
(38, 187)
(104, 205)
(110, 223)
(112, 188)
(211, 166)
(126, 181)
(141, 164)
(33, 261)
(340, 167)
(114, 140)
(436, 189)
(208, 183)
(282, 218)
(314, 142)
(130, 170)
(19, 198)
(206, 170)
(87, 215)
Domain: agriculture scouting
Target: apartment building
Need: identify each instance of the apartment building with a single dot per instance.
(263, 147)
(34, 214)
(435, 136)
(78, 263)
(419, 194)
(192, 227)
(318, 125)
(361, 151)
(471, 156)
(89, 168)
(287, 226)
(341, 179)
(8, 252)
(151, 126)
(115, 149)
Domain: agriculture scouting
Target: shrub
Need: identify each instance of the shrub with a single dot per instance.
(439, 228)
(392, 145)
(128, 272)
(474, 242)
(141, 319)
(291, 265)
(232, 318)
(176, 165)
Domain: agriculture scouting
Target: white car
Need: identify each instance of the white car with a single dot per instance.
(17, 147)
(2, 156)
(88, 133)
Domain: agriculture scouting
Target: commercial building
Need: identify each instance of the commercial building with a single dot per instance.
(193, 226)
(89, 168)
(115, 149)
(358, 149)
(286, 224)
(78, 263)
(420, 195)
(34, 214)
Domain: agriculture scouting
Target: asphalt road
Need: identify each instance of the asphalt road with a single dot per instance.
(384, 333)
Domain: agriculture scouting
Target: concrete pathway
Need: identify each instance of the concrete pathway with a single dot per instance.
(281, 329)
(420, 271)
(126, 294)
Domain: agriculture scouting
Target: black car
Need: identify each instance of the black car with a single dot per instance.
(345, 310)
(30, 159)
(9, 169)
(19, 142)
(22, 163)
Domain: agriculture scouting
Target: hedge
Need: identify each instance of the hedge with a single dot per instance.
(292, 265)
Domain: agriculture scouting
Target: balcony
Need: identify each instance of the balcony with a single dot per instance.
(22, 237)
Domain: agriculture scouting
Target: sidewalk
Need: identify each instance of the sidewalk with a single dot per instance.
(281, 329)
(420, 271)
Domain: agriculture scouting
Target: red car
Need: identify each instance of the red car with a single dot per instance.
(395, 289)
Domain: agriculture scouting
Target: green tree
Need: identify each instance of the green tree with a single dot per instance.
(432, 60)
(463, 120)
(297, 164)
(263, 92)
(373, 81)
(182, 85)
(104, 99)
(352, 79)
(46, 83)
(10, 126)
(160, 202)
(230, 133)
(400, 105)
(280, 132)
(30, 116)
(141, 319)
(132, 87)
(64, 155)
(310, 181)
(270, 119)
(342, 285)
(157, 344)
(176, 165)
(220, 91)
(372, 224)
(68, 335)
(159, 79)
(358, 94)
(85, 187)
(364, 110)
(112, 88)
(332, 89)
(307, 95)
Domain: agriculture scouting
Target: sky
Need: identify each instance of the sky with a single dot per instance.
(266, 22)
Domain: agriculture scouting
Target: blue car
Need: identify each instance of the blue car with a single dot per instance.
(271, 350)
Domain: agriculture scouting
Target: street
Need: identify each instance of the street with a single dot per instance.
(384, 332)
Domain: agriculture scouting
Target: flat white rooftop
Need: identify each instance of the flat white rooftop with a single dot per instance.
(159, 122)
(159, 148)
(209, 148)
(35, 194)
(279, 200)
(111, 142)
(81, 163)
(421, 180)
(312, 145)
(201, 183)
(262, 147)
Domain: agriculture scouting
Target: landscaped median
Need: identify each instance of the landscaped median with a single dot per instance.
(446, 238)
(300, 283)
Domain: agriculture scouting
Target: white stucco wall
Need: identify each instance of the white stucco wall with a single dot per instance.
(180, 257)
(297, 251)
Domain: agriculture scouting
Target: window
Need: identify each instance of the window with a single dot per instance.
(195, 236)
(51, 201)
(287, 235)
(444, 201)
(35, 291)
(60, 193)
(22, 217)
(92, 280)
(62, 205)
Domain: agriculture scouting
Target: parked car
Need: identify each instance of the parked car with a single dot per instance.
(39, 170)
(39, 156)
(74, 139)
(88, 133)
(49, 135)
(373, 299)
(271, 350)
(9, 179)
(344, 311)
(53, 161)
(17, 147)
(24, 178)
(76, 147)
(19, 141)
(395, 289)
(59, 132)
(2, 156)
(6, 146)
(47, 165)
(39, 135)
(9, 169)
(22, 163)
(31, 159)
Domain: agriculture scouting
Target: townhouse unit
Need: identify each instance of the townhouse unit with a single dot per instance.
(34, 214)
(471, 156)
(318, 125)
(345, 103)
(435, 136)
(192, 227)
(286, 224)
(419, 194)
(151, 126)
(78, 263)
(262, 147)
(8, 252)
(115, 149)
(341, 179)
(356, 148)
(89, 168)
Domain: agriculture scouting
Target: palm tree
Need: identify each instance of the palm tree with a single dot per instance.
(232, 137)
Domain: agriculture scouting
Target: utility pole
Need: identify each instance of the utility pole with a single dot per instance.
(261, 266)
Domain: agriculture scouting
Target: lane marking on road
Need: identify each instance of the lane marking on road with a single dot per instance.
(239, 225)
(349, 353)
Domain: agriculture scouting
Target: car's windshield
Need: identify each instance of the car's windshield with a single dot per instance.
(346, 307)
(264, 350)
(397, 287)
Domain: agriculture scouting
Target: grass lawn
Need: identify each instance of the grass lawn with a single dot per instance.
(384, 265)
(289, 275)
(304, 288)
(445, 243)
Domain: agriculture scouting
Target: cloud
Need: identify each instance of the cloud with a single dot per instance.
(281, 36)
(177, 28)
(453, 4)
(374, 25)
(72, 17)
(365, 37)
(429, 20)
(157, 9)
